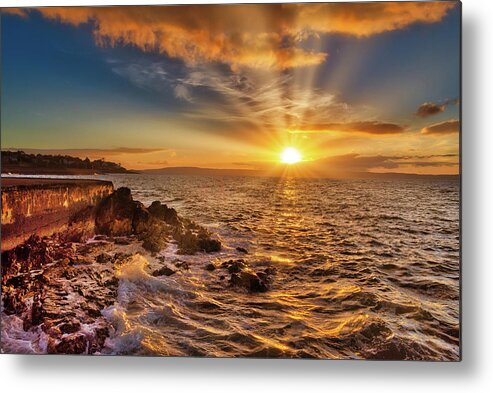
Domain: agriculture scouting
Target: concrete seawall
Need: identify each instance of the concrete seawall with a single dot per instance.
(44, 206)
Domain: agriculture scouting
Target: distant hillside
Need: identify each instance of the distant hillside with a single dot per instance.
(37, 164)
(196, 171)
(281, 170)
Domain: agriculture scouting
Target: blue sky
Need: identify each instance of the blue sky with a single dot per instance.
(179, 95)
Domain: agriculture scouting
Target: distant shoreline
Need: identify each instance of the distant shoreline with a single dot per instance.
(57, 171)
(195, 171)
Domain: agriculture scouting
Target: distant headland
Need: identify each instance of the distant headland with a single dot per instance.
(19, 162)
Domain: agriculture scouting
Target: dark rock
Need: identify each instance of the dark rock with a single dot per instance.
(181, 265)
(190, 242)
(187, 242)
(265, 276)
(236, 266)
(142, 219)
(101, 332)
(70, 326)
(249, 280)
(164, 271)
(115, 213)
(111, 282)
(92, 311)
(80, 226)
(242, 250)
(104, 258)
(210, 267)
(164, 213)
(71, 344)
(122, 241)
(36, 311)
(153, 243)
(270, 271)
(209, 245)
(31, 255)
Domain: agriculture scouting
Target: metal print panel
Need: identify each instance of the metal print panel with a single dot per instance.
(264, 180)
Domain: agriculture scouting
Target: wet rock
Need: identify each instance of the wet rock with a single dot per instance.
(181, 265)
(104, 258)
(122, 241)
(270, 271)
(60, 286)
(190, 242)
(92, 311)
(210, 267)
(142, 219)
(101, 332)
(82, 261)
(153, 243)
(70, 326)
(36, 311)
(242, 250)
(209, 245)
(266, 274)
(31, 255)
(81, 226)
(187, 242)
(71, 344)
(249, 280)
(164, 213)
(115, 213)
(112, 282)
(235, 266)
(164, 271)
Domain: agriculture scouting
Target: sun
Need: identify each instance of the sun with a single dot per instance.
(290, 156)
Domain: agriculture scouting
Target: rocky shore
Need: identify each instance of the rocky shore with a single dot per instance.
(59, 285)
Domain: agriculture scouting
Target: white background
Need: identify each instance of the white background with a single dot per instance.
(474, 373)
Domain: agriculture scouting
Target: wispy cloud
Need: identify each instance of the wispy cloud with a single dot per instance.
(92, 152)
(357, 162)
(252, 100)
(365, 127)
(443, 128)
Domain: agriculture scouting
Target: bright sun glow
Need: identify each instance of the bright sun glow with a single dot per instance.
(290, 156)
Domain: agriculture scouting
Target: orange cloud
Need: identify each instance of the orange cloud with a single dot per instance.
(369, 18)
(257, 36)
(443, 128)
(366, 127)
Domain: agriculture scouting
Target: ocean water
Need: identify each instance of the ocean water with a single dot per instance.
(365, 269)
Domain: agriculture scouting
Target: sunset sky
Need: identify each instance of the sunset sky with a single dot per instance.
(364, 87)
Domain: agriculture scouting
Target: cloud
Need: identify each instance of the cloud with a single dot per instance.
(443, 128)
(92, 152)
(183, 92)
(356, 162)
(257, 105)
(366, 127)
(370, 18)
(430, 108)
(266, 36)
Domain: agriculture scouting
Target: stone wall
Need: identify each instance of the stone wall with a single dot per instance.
(44, 206)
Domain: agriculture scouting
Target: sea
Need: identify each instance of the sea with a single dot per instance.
(364, 269)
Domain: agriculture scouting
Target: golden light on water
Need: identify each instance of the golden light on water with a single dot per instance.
(290, 156)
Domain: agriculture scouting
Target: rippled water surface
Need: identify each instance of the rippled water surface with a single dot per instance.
(365, 269)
